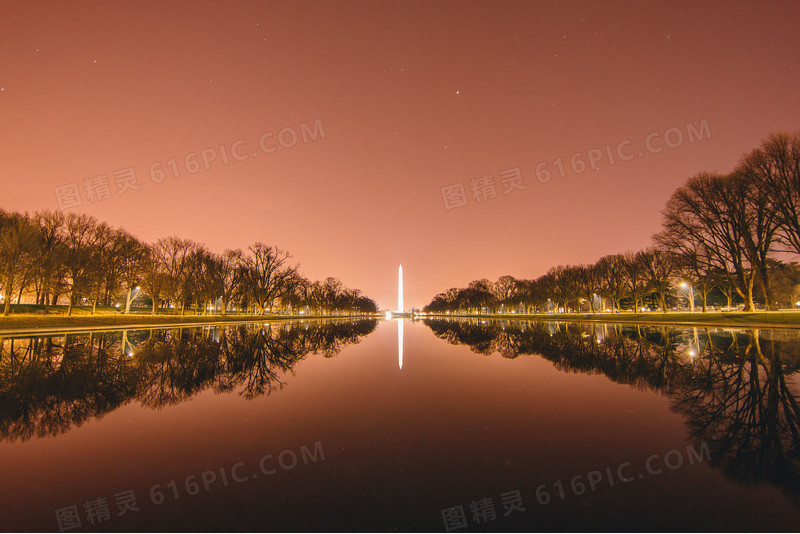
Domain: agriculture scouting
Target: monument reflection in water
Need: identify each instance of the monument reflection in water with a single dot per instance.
(399, 315)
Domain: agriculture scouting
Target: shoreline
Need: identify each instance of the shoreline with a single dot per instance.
(29, 324)
(36, 324)
(763, 319)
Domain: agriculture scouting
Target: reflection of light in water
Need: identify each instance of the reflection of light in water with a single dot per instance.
(127, 346)
(400, 342)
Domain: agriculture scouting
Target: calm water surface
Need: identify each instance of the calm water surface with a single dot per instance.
(488, 425)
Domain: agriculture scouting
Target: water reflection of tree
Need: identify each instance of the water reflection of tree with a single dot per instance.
(746, 412)
(49, 385)
(87, 377)
(733, 387)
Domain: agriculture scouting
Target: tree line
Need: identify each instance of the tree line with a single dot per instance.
(52, 257)
(723, 235)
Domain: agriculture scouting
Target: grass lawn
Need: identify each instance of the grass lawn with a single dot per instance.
(25, 317)
(783, 318)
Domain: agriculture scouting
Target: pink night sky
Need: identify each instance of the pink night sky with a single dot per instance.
(412, 97)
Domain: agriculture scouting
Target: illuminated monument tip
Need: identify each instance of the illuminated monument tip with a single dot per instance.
(400, 289)
(400, 311)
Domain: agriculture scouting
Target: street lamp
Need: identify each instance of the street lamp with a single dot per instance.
(691, 293)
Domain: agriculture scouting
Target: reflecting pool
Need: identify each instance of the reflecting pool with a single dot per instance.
(435, 425)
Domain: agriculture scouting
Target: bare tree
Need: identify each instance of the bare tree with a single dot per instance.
(197, 280)
(106, 263)
(505, 289)
(266, 274)
(760, 228)
(587, 280)
(153, 277)
(775, 169)
(695, 267)
(710, 214)
(79, 242)
(49, 256)
(611, 278)
(300, 295)
(103, 273)
(561, 284)
(18, 241)
(132, 259)
(223, 271)
(695, 261)
(173, 254)
(660, 266)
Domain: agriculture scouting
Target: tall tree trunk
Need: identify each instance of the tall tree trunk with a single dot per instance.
(765, 287)
(46, 294)
(749, 305)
